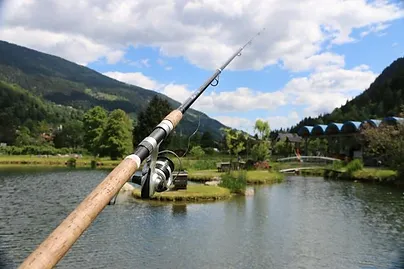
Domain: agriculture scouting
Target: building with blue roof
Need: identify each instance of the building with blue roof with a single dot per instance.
(348, 131)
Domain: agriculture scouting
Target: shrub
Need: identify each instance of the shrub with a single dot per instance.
(353, 166)
(262, 165)
(336, 165)
(260, 151)
(235, 184)
(197, 151)
(209, 151)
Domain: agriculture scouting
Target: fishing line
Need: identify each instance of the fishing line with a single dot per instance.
(189, 138)
(175, 154)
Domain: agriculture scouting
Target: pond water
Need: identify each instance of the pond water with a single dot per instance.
(300, 223)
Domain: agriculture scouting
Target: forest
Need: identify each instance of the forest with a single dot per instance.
(383, 98)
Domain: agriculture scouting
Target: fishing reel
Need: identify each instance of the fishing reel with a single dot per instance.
(156, 175)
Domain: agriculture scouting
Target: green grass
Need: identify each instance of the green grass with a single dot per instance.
(53, 161)
(203, 175)
(236, 182)
(263, 177)
(253, 176)
(373, 174)
(192, 193)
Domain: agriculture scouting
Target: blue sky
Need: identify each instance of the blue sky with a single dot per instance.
(305, 63)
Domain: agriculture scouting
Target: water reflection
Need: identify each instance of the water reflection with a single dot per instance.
(179, 209)
(301, 223)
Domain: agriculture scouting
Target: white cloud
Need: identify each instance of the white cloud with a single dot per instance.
(319, 92)
(75, 48)
(246, 124)
(135, 78)
(326, 89)
(277, 122)
(395, 44)
(241, 99)
(237, 122)
(374, 29)
(115, 56)
(332, 80)
(205, 32)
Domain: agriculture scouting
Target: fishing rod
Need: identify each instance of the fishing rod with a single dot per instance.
(156, 176)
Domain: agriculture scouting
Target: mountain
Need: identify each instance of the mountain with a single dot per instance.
(63, 82)
(18, 107)
(383, 98)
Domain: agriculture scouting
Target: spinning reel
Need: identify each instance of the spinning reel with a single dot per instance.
(156, 175)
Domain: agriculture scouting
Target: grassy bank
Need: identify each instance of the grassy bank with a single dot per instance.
(85, 161)
(203, 175)
(263, 177)
(192, 193)
(253, 177)
(365, 175)
(372, 175)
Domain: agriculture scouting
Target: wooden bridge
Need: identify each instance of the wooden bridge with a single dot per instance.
(297, 169)
(308, 159)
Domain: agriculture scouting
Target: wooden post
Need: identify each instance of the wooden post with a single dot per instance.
(66, 234)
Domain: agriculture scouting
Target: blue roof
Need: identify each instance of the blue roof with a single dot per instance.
(305, 129)
(338, 126)
(373, 122)
(355, 124)
(393, 119)
(346, 127)
(319, 128)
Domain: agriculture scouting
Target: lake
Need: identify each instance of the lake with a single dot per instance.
(300, 223)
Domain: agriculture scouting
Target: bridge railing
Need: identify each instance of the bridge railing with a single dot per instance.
(312, 159)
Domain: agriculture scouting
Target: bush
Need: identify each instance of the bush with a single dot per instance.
(200, 164)
(235, 184)
(71, 162)
(260, 151)
(353, 166)
(197, 151)
(262, 165)
(38, 150)
(209, 151)
(336, 165)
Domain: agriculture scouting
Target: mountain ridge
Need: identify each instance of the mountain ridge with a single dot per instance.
(64, 82)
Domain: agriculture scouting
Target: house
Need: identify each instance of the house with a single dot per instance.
(289, 138)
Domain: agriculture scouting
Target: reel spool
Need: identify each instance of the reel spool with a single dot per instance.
(156, 175)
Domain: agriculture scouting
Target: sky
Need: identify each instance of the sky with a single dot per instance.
(312, 56)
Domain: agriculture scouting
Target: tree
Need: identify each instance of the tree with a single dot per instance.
(23, 137)
(385, 143)
(197, 151)
(93, 123)
(234, 140)
(263, 129)
(282, 148)
(207, 140)
(150, 118)
(116, 139)
(71, 135)
(260, 151)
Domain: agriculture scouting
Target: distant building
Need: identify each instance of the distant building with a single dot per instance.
(292, 140)
(343, 138)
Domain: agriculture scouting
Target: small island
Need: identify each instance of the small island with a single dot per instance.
(191, 194)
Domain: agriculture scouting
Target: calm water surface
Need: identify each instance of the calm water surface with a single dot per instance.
(301, 223)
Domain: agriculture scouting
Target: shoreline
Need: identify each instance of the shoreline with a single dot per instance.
(193, 193)
(254, 177)
(366, 175)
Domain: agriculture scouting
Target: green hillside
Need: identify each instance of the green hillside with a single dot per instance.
(384, 97)
(19, 107)
(69, 84)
